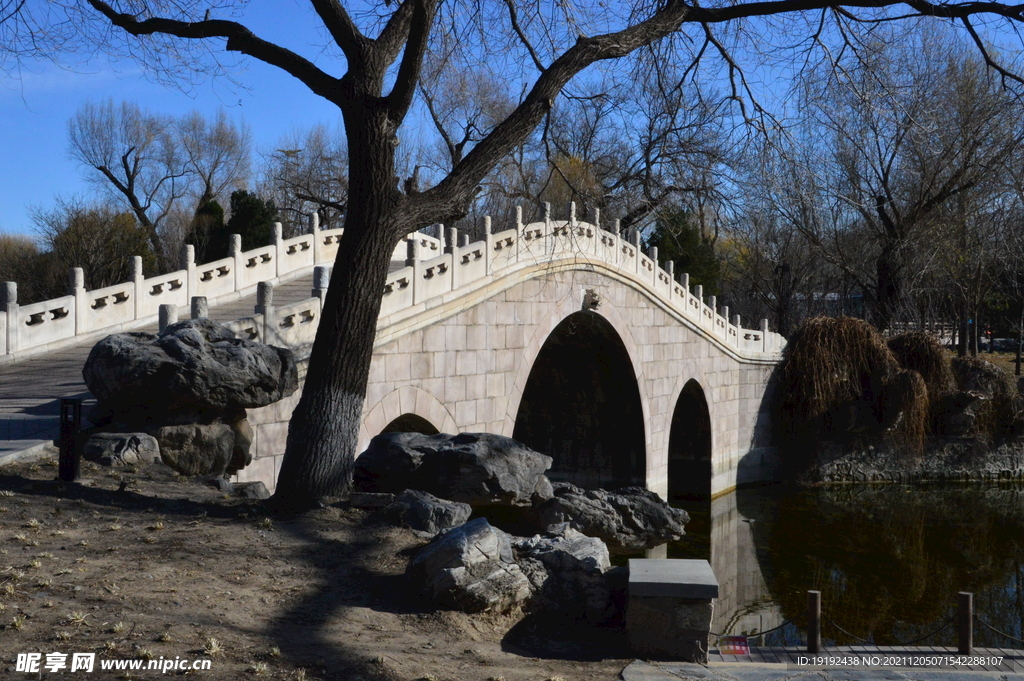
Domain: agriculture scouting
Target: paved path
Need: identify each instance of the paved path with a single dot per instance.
(733, 671)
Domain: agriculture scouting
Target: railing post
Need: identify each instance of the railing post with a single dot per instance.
(200, 307)
(167, 315)
(764, 335)
(616, 243)
(596, 246)
(188, 263)
(69, 466)
(139, 279)
(9, 304)
(413, 260)
(321, 281)
(440, 238)
(314, 229)
(265, 306)
(813, 622)
(452, 248)
(634, 238)
(488, 245)
(235, 251)
(965, 623)
(76, 287)
(279, 269)
(519, 231)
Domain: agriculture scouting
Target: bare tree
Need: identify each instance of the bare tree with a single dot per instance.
(893, 140)
(306, 172)
(134, 156)
(217, 153)
(384, 48)
(98, 238)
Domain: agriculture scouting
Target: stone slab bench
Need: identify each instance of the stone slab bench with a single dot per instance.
(671, 601)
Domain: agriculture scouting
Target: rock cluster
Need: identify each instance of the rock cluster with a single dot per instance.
(475, 468)
(627, 520)
(187, 388)
(432, 483)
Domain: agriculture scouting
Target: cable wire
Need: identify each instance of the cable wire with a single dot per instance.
(1001, 633)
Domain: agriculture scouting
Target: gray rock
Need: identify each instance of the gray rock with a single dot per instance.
(240, 455)
(474, 468)
(567, 572)
(121, 449)
(369, 499)
(251, 490)
(470, 568)
(196, 449)
(426, 514)
(628, 520)
(192, 366)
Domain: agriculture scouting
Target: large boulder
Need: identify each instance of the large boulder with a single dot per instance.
(567, 572)
(424, 513)
(470, 568)
(121, 449)
(475, 468)
(195, 366)
(197, 449)
(627, 520)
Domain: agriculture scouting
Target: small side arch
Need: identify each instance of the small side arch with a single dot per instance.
(413, 404)
(690, 445)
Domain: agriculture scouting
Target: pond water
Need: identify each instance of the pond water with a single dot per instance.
(888, 560)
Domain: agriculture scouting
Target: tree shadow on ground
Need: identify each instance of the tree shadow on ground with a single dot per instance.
(562, 636)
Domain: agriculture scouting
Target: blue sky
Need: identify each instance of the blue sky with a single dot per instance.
(34, 162)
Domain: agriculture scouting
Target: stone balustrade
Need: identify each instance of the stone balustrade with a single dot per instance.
(441, 275)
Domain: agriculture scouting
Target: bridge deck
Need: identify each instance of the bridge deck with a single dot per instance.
(30, 390)
(1012, 660)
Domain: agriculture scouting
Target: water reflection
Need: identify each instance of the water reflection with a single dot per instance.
(889, 561)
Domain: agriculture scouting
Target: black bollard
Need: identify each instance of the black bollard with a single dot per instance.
(813, 622)
(70, 468)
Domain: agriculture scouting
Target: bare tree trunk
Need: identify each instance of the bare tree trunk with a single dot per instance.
(324, 428)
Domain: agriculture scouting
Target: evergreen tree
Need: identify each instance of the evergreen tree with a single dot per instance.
(679, 240)
(253, 218)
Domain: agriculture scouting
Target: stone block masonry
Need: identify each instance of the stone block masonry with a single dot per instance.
(463, 355)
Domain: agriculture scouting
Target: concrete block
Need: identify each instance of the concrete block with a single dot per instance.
(669, 628)
(454, 389)
(673, 578)
(476, 387)
(465, 362)
(421, 366)
(398, 367)
(476, 337)
(434, 338)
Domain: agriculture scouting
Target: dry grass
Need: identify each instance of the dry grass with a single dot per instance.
(830, 363)
(924, 354)
(997, 413)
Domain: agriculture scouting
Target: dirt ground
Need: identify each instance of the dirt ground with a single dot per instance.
(141, 563)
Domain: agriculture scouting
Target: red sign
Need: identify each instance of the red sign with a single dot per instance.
(733, 645)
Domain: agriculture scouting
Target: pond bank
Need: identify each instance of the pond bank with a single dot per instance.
(966, 460)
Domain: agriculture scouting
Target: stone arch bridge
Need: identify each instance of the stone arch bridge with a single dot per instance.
(568, 338)
(561, 334)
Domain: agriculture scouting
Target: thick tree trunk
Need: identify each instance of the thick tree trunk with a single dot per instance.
(324, 428)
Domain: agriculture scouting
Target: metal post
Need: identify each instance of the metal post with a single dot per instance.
(70, 464)
(965, 622)
(813, 622)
